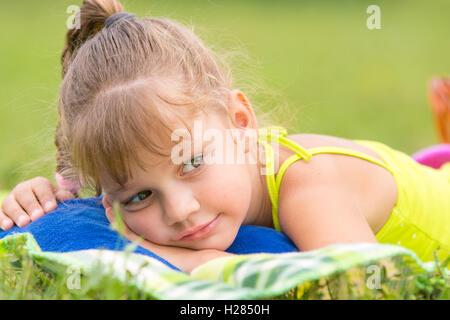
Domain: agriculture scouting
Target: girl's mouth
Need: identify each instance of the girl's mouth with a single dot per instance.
(198, 232)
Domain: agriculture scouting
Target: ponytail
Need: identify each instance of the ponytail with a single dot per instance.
(92, 16)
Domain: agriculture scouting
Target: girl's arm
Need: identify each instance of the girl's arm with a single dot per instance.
(183, 258)
(320, 209)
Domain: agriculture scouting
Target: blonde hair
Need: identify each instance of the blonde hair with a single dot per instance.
(123, 80)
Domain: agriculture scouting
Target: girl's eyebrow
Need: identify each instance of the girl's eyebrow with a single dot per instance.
(113, 193)
(204, 148)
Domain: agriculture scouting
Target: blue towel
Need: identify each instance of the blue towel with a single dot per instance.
(81, 224)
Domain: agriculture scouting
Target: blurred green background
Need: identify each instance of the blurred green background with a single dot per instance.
(316, 59)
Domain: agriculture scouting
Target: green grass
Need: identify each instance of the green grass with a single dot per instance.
(21, 278)
(316, 60)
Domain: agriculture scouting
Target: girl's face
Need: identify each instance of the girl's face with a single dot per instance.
(194, 204)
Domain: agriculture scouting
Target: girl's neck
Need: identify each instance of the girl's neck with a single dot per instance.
(260, 211)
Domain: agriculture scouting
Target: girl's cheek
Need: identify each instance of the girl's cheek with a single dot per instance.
(230, 188)
(217, 182)
(140, 225)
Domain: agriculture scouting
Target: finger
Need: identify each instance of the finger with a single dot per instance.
(109, 215)
(5, 222)
(45, 193)
(106, 202)
(109, 212)
(62, 195)
(26, 198)
(130, 235)
(108, 209)
(14, 211)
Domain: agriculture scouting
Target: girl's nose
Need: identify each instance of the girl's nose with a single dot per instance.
(178, 206)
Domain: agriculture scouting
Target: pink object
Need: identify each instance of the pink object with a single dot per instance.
(434, 156)
(69, 185)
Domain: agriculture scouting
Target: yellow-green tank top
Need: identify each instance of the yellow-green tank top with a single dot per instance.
(420, 220)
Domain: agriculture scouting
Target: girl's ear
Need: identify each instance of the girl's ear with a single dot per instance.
(108, 209)
(243, 118)
(241, 111)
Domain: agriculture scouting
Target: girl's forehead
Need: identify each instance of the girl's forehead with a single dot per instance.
(194, 133)
(170, 143)
(187, 128)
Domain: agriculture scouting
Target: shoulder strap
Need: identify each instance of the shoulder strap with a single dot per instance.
(278, 134)
(270, 179)
(349, 152)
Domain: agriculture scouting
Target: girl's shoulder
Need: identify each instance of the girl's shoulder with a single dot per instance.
(312, 140)
(359, 176)
(349, 165)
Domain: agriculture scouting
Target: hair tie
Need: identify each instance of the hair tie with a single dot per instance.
(67, 184)
(117, 16)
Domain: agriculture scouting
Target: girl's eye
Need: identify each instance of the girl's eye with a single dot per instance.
(193, 164)
(139, 197)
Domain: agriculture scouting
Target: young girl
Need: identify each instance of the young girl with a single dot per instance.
(129, 84)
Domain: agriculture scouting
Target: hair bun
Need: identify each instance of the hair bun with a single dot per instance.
(118, 16)
(93, 15)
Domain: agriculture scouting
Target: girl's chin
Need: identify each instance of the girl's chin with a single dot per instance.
(210, 243)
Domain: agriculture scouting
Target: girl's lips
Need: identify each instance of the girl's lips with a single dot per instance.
(198, 231)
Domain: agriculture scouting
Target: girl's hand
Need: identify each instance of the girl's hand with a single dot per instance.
(29, 201)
